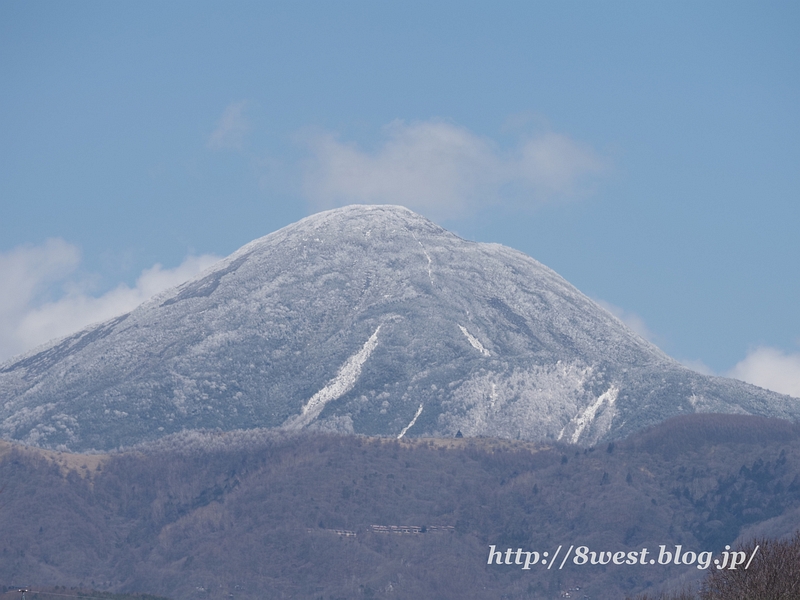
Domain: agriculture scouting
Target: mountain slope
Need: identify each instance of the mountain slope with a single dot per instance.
(264, 514)
(366, 319)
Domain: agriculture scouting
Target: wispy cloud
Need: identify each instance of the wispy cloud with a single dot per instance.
(40, 299)
(630, 319)
(765, 367)
(770, 368)
(444, 170)
(232, 128)
(697, 365)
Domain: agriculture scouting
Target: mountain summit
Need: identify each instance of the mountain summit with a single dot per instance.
(364, 319)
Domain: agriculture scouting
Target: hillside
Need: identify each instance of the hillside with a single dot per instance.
(263, 514)
(369, 320)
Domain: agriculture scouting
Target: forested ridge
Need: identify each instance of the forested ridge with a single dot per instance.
(261, 514)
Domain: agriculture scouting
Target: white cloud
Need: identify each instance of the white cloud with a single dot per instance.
(770, 368)
(27, 270)
(29, 273)
(697, 365)
(632, 320)
(444, 170)
(765, 367)
(231, 129)
(555, 164)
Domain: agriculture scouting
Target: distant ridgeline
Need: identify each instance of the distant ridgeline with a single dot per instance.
(368, 320)
(270, 514)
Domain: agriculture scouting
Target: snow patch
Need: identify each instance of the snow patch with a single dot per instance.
(588, 415)
(338, 386)
(410, 425)
(474, 342)
(430, 262)
(531, 404)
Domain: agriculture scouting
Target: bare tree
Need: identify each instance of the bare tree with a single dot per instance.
(774, 573)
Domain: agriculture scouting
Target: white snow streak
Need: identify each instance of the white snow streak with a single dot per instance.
(582, 420)
(410, 425)
(430, 262)
(474, 341)
(338, 386)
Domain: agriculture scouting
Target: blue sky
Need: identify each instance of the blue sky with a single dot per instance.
(648, 152)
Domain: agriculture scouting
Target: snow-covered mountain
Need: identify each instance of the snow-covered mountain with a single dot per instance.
(365, 319)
